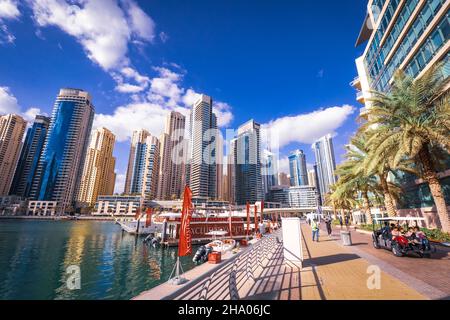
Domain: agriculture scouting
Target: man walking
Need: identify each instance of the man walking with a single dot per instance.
(328, 223)
(315, 229)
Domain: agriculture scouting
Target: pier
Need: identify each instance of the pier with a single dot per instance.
(330, 271)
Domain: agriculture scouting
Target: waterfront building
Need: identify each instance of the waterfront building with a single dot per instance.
(119, 205)
(144, 173)
(295, 197)
(248, 179)
(283, 179)
(411, 36)
(312, 177)
(137, 141)
(12, 128)
(202, 159)
(231, 172)
(13, 205)
(98, 173)
(326, 164)
(29, 157)
(42, 208)
(60, 167)
(171, 180)
(297, 168)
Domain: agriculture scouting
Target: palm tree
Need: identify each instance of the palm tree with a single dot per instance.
(413, 122)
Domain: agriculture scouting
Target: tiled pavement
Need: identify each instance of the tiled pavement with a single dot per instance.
(330, 272)
(430, 277)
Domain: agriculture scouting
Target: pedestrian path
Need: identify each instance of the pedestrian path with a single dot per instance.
(333, 272)
(329, 272)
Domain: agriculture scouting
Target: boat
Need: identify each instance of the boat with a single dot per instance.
(223, 245)
(139, 227)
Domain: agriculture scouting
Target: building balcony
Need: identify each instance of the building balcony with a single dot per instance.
(360, 97)
(356, 83)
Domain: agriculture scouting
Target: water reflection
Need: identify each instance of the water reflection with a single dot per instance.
(34, 256)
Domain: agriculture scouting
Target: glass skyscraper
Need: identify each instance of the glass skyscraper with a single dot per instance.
(326, 164)
(247, 153)
(297, 168)
(60, 168)
(29, 157)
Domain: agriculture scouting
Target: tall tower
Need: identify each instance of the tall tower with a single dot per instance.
(98, 174)
(297, 168)
(326, 164)
(172, 160)
(248, 179)
(219, 167)
(61, 165)
(137, 141)
(269, 171)
(203, 131)
(144, 172)
(12, 128)
(29, 157)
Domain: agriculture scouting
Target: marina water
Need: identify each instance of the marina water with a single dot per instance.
(35, 257)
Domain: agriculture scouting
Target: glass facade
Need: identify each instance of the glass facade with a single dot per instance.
(380, 69)
(29, 157)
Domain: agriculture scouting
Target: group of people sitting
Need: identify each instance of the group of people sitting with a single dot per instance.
(413, 234)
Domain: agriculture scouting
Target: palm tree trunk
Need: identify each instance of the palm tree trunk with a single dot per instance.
(334, 212)
(367, 208)
(430, 175)
(388, 201)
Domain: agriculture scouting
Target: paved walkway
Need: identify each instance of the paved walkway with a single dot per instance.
(329, 272)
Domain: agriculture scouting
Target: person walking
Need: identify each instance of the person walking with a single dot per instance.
(315, 229)
(347, 221)
(341, 222)
(328, 222)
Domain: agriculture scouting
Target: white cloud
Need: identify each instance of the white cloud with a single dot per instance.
(163, 36)
(9, 104)
(120, 183)
(306, 128)
(223, 112)
(9, 9)
(103, 27)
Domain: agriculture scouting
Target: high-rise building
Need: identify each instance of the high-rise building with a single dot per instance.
(170, 184)
(60, 168)
(409, 35)
(137, 141)
(12, 128)
(248, 178)
(326, 164)
(219, 167)
(312, 178)
(283, 179)
(231, 172)
(269, 172)
(144, 170)
(98, 177)
(297, 168)
(203, 144)
(29, 157)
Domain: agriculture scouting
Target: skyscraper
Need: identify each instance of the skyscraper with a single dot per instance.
(326, 164)
(231, 172)
(12, 128)
(219, 167)
(58, 175)
(137, 141)
(202, 160)
(171, 168)
(269, 172)
(144, 170)
(312, 178)
(98, 177)
(29, 157)
(248, 179)
(297, 168)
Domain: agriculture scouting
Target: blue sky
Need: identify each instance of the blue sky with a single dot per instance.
(285, 63)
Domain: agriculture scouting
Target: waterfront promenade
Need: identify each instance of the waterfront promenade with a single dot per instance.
(330, 271)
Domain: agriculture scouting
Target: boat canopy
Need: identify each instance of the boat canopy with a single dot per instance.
(217, 233)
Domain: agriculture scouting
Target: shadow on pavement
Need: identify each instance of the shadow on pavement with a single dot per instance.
(322, 261)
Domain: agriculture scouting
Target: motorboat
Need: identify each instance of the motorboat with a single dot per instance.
(139, 227)
(223, 245)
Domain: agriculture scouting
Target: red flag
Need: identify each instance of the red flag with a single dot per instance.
(256, 218)
(138, 213)
(248, 218)
(148, 220)
(262, 211)
(185, 244)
